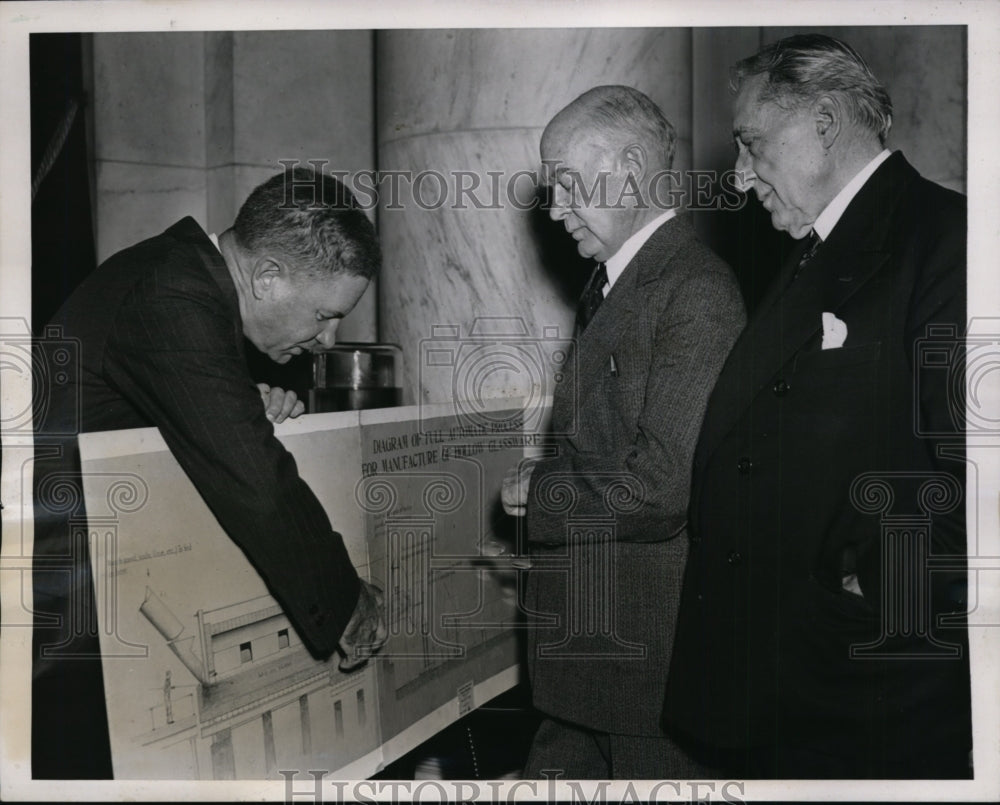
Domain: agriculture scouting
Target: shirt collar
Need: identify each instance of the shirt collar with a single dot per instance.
(620, 259)
(827, 219)
(215, 241)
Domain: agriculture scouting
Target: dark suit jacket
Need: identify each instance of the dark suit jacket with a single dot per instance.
(603, 615)
(160, 343)
(763, 648)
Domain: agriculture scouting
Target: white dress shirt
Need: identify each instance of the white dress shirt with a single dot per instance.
(615, 264)
(827, 219)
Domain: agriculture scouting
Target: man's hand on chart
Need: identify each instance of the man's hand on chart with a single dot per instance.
(366, 631)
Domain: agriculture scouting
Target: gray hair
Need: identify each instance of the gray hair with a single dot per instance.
(617, 111)
(799, 69)
(312, 219)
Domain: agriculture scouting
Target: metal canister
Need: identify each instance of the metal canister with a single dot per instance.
(349, 377)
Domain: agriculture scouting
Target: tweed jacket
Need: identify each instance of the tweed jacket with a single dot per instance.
(606, 515)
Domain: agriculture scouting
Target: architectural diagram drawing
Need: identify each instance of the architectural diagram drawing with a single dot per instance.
(207, 679)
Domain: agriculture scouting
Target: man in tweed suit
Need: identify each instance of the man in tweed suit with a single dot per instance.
(160, 330)
(606, 573)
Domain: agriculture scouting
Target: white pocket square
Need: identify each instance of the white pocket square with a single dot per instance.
(834, 332)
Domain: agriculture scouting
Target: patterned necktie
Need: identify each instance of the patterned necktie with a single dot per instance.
(592, 297)
(813, 242)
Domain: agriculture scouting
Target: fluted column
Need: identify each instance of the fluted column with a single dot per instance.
(477, 101)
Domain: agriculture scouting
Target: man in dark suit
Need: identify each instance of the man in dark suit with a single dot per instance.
(822, 627)
(606, 514)
(159, 330)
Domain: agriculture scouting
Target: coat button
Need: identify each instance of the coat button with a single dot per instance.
(744, 465)
(780, 388)
(734, 558)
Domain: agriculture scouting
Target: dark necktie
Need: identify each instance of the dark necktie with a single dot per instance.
(813, 242)
(593, 296)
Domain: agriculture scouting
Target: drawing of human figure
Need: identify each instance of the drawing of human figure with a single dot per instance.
(167, 703)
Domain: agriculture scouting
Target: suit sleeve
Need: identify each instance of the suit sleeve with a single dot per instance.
(937, 320)
(694, 333)
(179, 361)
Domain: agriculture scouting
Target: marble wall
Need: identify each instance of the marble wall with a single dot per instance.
(922, 67)
(477, 101)
(149, 134)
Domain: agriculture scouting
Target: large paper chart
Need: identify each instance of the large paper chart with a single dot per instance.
(205, 677)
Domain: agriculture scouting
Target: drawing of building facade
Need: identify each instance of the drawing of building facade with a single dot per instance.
(260, 703)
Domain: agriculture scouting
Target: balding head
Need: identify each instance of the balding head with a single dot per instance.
(598, 154)
(618, 116)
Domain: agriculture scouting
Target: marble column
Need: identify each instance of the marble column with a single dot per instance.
(477, 101)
